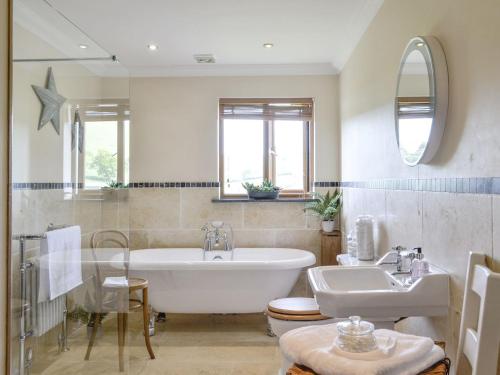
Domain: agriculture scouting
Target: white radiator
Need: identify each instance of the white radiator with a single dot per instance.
(45, 315)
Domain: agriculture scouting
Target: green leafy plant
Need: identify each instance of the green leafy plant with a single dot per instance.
(103, 163)
(79, 314)
(266, 186)
(326, 206)
(116, 185)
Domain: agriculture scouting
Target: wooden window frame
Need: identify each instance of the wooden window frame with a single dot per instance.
(269, 158)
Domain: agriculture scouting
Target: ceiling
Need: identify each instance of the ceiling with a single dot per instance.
(309, 37)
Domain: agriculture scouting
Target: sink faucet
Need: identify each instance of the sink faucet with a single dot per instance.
(399, 260)
(216, 237)
(399, 263)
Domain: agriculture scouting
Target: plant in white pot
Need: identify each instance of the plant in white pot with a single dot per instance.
(327, 207)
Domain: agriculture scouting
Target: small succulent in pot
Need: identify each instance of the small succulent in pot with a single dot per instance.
(116, 185)
(266, 190)
(327, 207)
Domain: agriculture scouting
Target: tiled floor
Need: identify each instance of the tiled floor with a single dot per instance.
(183, 345)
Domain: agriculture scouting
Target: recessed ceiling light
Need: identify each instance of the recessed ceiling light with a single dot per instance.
(268, 45)
(83, 46)
(152, 47)
(420, 44)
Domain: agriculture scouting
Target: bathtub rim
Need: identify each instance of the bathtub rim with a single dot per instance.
(302, 259)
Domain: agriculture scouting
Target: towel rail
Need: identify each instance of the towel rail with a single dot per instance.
(25, 266)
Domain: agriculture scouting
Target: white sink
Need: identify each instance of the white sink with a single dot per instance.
(372, 291)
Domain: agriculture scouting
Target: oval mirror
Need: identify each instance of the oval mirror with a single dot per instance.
(421, 100)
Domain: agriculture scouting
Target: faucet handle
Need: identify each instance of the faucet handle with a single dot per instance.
(399, 249)
(217, 224)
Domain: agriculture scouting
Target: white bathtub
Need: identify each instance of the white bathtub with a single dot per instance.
(181, 281)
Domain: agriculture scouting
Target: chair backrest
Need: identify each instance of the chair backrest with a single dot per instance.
(480, 326)
(108, 239)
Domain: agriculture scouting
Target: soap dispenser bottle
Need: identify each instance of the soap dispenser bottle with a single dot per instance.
(419, 266)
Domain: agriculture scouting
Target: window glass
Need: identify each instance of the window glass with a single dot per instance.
(243, 154)
(289, 154)
(101, 153)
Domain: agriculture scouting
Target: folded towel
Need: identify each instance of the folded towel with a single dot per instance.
(313, 347)
(115, 282)
(60, 263)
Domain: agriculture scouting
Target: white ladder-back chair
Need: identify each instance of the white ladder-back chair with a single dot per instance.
(480, 326)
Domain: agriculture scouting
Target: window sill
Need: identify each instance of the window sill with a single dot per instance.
(278, 200)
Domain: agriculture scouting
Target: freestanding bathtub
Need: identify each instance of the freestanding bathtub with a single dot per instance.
(241, 281)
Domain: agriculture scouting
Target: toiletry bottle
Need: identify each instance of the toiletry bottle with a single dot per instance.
(419, 266)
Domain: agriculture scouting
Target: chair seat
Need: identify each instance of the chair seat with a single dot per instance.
(132, 283)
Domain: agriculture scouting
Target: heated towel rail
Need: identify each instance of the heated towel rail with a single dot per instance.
(25, 265)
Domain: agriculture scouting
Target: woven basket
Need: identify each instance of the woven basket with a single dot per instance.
(439, 368)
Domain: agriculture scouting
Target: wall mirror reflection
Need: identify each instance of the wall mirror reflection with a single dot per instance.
(421, 100)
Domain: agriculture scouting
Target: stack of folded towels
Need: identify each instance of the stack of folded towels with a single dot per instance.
(397, 353)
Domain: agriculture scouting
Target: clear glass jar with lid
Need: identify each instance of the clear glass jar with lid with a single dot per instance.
(356, 336)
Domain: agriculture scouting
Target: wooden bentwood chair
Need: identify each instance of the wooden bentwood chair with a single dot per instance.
(113, 297)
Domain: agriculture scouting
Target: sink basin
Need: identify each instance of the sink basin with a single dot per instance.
(373, 291)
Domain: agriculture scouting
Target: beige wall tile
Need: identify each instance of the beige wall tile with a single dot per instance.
(254, 237)
(274, 215)
(88, 215)
(454, 225)
(197, 209)
(313, 221)
(154, 208)
(404, 218)
(109, 215)
(175, 238)
(138, 239)
(305, 239)
(51, 207)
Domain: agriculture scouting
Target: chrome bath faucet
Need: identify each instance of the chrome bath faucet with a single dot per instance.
(217, 237)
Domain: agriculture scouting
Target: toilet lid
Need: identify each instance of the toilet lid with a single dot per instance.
(307, 317)
(294, 306)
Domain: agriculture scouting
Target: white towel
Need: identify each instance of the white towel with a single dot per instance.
(60, 263)
(312, 346)
(115, 282)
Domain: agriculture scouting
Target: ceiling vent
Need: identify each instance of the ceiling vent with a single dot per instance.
(204, 58)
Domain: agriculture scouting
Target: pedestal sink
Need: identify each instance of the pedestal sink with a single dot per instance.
(375, 292)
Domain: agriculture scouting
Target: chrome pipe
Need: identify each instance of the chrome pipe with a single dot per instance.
(110, 58)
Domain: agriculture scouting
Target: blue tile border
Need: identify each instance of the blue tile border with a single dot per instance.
(460, 185)
(467, 185)
(166, 185)
(132, 185)
(46, 185)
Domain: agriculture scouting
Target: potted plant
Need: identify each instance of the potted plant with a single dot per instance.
(327, 208)
(267, 190)
(115, 191)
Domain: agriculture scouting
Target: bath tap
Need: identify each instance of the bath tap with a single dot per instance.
(215, 234)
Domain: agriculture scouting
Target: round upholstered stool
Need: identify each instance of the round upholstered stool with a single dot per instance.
(285, 314)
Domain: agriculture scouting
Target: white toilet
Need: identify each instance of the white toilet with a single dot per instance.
(285, 314)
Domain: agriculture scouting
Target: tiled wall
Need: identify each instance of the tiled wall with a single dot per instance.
(32, 211)
(173, 217)
(446, 225)
(442, 206)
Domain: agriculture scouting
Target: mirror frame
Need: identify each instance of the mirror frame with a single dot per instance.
(437, 69)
